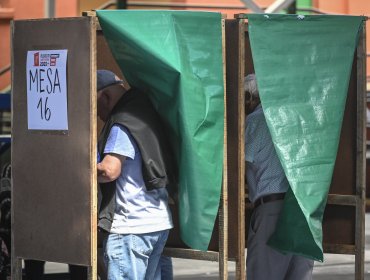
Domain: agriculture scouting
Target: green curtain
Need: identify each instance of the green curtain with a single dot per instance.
(176, 57)
(303, 66)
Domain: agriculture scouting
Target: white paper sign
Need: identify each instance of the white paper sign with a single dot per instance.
(47, 90)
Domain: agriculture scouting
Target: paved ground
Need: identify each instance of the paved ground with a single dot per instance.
(338, 267)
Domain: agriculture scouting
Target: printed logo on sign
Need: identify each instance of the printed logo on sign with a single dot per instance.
(36, 59)
(53, 59)
(47, 59)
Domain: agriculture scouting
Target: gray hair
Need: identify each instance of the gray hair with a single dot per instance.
(250, 85)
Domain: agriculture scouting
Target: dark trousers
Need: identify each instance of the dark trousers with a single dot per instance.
(265, 263)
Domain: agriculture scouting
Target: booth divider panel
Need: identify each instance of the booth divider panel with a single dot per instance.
(53, 196)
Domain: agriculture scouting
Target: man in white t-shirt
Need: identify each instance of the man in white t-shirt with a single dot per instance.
(134, 211)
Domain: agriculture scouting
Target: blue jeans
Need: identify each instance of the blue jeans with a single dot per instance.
(134, 256)
(166, 269)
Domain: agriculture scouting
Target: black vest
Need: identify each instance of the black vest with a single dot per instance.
(135, 112)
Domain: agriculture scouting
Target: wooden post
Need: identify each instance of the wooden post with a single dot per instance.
(235, 69)
(240, 272)
(93, 270)
(223, 212)
(16, 263)
(361, 156)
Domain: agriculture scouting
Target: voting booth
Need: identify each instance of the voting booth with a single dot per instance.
(55, 192)
(343, 219)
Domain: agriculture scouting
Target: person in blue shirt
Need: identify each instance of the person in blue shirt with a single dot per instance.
(267, 185)
(134, 216)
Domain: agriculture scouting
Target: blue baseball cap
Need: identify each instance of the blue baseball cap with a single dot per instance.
(106, 78)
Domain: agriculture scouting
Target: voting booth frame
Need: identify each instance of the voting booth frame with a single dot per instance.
(343, 224)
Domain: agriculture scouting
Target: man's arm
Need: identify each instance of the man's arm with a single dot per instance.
(110, 168)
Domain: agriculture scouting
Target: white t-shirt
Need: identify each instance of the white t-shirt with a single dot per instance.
(137, 209)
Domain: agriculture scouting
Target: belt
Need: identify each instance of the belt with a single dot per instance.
(268, 198)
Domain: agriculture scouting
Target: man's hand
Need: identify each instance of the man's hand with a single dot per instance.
(110, 168)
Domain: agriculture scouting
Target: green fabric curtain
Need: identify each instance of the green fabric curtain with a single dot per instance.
(303, 66)
(176, 57)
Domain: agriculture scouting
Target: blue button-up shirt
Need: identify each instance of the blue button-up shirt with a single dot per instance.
(265, 174)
